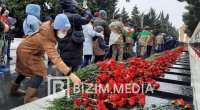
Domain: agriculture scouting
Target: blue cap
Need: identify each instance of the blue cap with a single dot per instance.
(62, 22)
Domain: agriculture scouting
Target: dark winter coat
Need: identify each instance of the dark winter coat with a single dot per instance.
(71, 47)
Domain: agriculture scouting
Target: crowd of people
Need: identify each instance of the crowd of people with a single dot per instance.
(81, 40)
(6, 36)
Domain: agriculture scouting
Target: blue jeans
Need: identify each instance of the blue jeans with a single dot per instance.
(149, 48)
(137, 49)
(86, 60)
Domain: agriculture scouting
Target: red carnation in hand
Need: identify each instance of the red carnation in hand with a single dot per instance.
(188, 106)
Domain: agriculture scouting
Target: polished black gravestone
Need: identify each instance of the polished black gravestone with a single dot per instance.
(175, 79)
(155, 100)
(184, 64)
(174, 91)
(178, 72)
(180, 67)
(183, 61)
(176, 83)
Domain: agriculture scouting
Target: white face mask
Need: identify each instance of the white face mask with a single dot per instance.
(61, 35)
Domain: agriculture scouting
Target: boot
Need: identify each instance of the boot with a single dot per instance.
(14, 89)
(30, 95)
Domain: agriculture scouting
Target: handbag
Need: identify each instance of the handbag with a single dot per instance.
(77, 36)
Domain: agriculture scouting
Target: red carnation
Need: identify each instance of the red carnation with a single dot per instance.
(162, 74)
(77, 101)
(168, 69)
(122, 102)
(87, 101)
(151, 82)
(104, 77)
(142, 102)
(156, 86)
(114, 98)
(181, 102)
(101, 106)
(76, 107)
(114, 105)
(89, 108)
(142, 96)
(188, 106)
(85, 95)
(132, 101)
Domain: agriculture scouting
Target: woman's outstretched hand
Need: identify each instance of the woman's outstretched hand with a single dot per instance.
(75, 79)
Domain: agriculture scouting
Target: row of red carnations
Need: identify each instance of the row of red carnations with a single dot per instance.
(136, 71)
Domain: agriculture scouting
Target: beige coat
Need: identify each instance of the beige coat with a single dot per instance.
(30, 53)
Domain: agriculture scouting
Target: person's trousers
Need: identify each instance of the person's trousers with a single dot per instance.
(159, 48)
(129, 48)
(86, 60)
(99, 58)
(137, 49)
(143, 50)
(149, 48)
(35, 81)
(118, 49)
(3, 50)
(8, 49)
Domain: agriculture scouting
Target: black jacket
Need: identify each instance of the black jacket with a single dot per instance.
(71, 47)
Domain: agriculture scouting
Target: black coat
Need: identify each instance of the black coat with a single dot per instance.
(71, 47)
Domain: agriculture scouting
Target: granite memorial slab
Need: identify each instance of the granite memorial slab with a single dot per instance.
(178, 72)
(181, 67)
(185, 64)
(174, 91)
(175, 79)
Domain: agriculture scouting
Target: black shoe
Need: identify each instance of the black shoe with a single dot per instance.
(10, 58)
